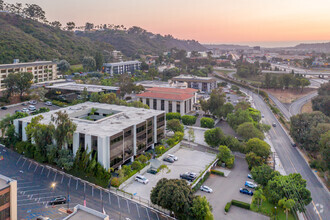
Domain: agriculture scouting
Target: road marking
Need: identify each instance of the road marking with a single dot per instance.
(62, 178)
(118, 201)
(42, 170)
(48, 173)
(36, 198)
(137, 210)
(77, 185)
(55, 176)
(27, 187)
(317, 211)
(35, 168)
(109, 198)
(147, 213)
(30, 165)
(157, 215)
(92, 191)
(18, 159)
(129, 211)
(34, 190)
(24, 162)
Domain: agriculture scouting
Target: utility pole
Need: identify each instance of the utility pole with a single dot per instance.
(274, 162)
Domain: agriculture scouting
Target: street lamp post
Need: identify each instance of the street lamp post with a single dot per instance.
(53, 185)
(68, 196)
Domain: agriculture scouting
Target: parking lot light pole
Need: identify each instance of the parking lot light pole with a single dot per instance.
(53, 187)
(68, 196)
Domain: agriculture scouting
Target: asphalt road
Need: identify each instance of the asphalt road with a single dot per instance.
(295, 107)
(281, 107)
(34, 192)
(293, 162)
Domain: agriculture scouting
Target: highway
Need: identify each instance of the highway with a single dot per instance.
(293, 162)
(295, 107)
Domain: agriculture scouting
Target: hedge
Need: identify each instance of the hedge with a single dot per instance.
(188, 119)
(227, 207)
(173, 115)
(201, 181)
(207, 122)
(240, 204)
(216, 172)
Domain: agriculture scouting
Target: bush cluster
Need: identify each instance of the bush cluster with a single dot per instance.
(227, 207)
(188, 119)
(207, 122)
(173, 115)
(240, 204)
(217, 172)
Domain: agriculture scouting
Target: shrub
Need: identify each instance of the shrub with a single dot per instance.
(115, 182)
(207, 122)
(159, 149)
(142, 159)
(173, 115)
(201, 181)
(240, 204)
(188, 119)
(59, 103)
(227, 207)
(230, 162)
(171, 142)
(136, 165)
(217, 172)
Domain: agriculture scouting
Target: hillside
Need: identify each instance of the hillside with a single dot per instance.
(29, 40)
(136, 41)
(322, 47)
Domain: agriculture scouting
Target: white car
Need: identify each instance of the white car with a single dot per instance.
(173, 157)
(25, 110)
(32, 108)
(33, 102)
(206, 189)
(48, 103)
(141, 179)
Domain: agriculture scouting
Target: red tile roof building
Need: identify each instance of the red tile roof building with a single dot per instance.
(169, 99)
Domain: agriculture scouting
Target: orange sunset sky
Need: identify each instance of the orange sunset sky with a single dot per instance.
(208, 21)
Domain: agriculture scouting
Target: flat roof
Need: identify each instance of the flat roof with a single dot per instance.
(168, 93)
(122, 63)
(122, 118)
(15, 65)
(82, 213)
(193, 78)
(4, 181)
(80, 87)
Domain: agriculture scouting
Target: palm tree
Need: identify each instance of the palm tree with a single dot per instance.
(287, 204)
(258, 195)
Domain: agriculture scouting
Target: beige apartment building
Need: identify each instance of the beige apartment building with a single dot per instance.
(42, 71)
(8, 198)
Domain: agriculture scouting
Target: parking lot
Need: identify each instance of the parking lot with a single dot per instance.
(226, 189)
(12, 109)
(189, 160)
(34, 192)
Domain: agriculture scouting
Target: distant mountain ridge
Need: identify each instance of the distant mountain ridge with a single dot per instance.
(137, 41)
(29, 40)
(314, 46)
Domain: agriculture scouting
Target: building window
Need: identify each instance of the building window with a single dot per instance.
(82, 140)
(5, 214)
(116, 140)
(162, 104)
(169, 106)
(140, 129)
(148, 102)
(94, 146)
(128, 133)
(4, 199)
(155, 103)
(178, 110)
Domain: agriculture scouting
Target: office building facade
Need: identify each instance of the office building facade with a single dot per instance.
(121, 67)
(8, 198)
(204, 84)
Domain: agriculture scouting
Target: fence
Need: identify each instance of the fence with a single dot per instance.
(206, 170)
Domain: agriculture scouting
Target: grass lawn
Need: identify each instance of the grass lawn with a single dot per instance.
(267, 209)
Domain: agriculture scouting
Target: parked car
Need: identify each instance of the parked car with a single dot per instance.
(193, 175)
(206, 189)
(24, 104)
(250, 176)
(4, 108)
(48, 103)
(33, 102)
(58, 200)
(43, 218)
(174, 157)
(250, 184)
(185, 176)
(17, 111)
(32, 108)
(274, 124)
(25, 110)
(168, 159)
(294, 144)
(262, 116)
(141, 179)
(246, 191)
(152, 170)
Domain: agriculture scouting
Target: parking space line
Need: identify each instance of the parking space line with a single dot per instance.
(27, 187)
(30, 203)
(147, 213)
(77, 184)
(34, 190)
(42, 170)
(33, 194)
(118, 201)
(24, 182)
(69, 181)
(157, 215)
(92, 191)
(48, 173)
(30, 165)
(18, 159)
(62, 178)
(35, 168)
(35, 198)
(109, 198)
(137, 208)
(24, 162)
(55, 176)
(129, 211)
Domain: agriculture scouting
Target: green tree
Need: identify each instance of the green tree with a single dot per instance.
(24, 82)
(63, 66)
(70, 25)
(99, 60)
(239, 117)
(64, 128)
(243, 105)
(226, 109)
(89, 63)
(207, 122)
(303, 83)
(174, 195)
(292, 186)
(259, 147)
(214, 137)
(173, 115)
(35, 12)
(321, 103)
(267, 80)
(191, 135)
(201, 209)
(247, 131)
(258, 196)
(287, 205)
(274, 82)
(224, 154)
(254, 160)
(262, 174)
(174, 125)
(325, 148)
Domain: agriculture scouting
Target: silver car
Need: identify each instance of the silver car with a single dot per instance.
(206, 189)
(173, 157)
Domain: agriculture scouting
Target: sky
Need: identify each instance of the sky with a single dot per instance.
(250, 22)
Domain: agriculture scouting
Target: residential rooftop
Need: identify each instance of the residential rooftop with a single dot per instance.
(110, 120)
(80, 87)
(81, 213)
(155, 83)
(16, 65)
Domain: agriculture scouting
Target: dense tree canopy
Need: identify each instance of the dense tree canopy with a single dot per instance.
(239, 117)
(247, 130)
(214, 137)
(259, 147)
(262, 174)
